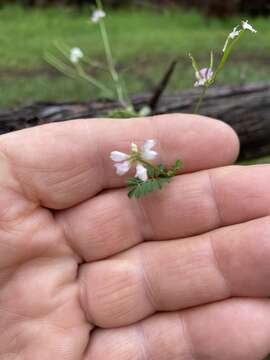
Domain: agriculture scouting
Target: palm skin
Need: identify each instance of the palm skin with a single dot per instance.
(87, 274)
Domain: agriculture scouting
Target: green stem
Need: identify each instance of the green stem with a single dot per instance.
(226, 55)
(200, 100)
(92, 80)
(220, 67)
(110, 61)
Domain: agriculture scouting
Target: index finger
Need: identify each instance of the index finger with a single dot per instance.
(60, 165)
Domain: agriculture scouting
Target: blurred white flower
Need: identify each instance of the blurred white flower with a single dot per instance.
(122, 168)
(118, 156)
(203, 76)
(75, 55)
(141, 172)
(124, 161)
(234, 34)
(147, 151)
(247, 26)
(97, 15)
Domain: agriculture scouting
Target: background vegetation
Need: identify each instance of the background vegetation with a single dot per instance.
(144, 42)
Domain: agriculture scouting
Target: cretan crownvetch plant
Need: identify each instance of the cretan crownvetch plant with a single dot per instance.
(206, 77)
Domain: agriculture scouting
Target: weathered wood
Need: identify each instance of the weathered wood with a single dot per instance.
(245, 108)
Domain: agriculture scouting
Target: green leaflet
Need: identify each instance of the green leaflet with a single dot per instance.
(158, 175)
(140, 188)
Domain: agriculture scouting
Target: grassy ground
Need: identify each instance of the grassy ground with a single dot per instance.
(144, 42)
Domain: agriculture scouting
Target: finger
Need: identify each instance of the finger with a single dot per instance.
(60, 165)
(178, 274)
(192, 204)
(237, 329)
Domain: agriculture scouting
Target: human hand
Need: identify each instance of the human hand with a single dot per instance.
(87, 274)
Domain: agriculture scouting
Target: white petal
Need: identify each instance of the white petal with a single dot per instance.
(118, 156)
(134, 147)
(234, 33)
(141, 172)
(75, 55)
(149, 154)
(200, 82)
(97, 15)
(247, 26)
(149, 144)
(122, 168)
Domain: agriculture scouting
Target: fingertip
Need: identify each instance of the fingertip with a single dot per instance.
(201, 142)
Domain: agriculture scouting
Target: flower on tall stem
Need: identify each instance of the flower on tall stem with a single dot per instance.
(97, 15)
(247, 26)
(207, 76)
(234, 34)
(75, 55)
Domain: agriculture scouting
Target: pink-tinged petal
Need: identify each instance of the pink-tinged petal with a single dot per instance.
(141, 172)
(118, 156)
(149, 154)
(203, 76)
(122, 168)
(149, 144)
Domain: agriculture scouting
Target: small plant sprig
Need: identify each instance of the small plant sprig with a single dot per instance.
(148, 177)
(207, 77)
(74, 67)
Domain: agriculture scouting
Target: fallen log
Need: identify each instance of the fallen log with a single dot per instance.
(246, 108)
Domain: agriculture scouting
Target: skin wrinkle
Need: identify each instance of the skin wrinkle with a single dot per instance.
(68, 239)
(84, 299)
(99, 156)
(147, 231)
(21, 190)
(214, 197)
(142, 340)
(146, 283)
(140, 217)
(187, 336)
(218, 266)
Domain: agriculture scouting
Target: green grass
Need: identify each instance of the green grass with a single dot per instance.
(144, 42)
(263, 160)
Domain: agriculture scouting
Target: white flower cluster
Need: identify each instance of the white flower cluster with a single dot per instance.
(75, 55)
(236, 32)
(203, 76)
(97, 15)
(124, 161)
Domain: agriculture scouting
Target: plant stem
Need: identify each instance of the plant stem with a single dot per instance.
(200, 100)
(226, 55)
(92, 80)
(110, 61)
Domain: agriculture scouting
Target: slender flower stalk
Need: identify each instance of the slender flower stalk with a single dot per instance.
(108, 52)
(206, 77)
